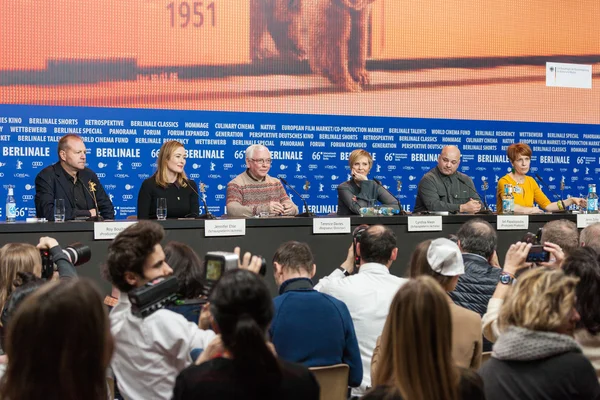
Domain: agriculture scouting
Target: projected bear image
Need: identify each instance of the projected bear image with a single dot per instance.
(277, 22)
(337, 37)
(436, 59)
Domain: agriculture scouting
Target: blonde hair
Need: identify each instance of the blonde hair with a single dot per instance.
(17, 257)
(541, 300)
(358, 153)
(166, 151)
(416, 344)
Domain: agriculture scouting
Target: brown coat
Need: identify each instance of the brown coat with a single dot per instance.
(466, 339)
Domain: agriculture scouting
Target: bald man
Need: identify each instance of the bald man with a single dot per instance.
(443, 188)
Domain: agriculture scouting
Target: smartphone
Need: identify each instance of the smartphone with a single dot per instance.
(537, 254)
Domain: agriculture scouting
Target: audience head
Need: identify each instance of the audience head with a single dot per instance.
(477, 236)
(72, 152)
(171, 160)
(590, 237)
(242, 308)
(25, 284)
(563, 233)
(293, 260)
(449, 160)
(14, 258)
(135, 256)
(416, 343)
(258, 160)
(58, 343)
(377, 245)
(542, 300)
(583, 263)
(441, 259)
(187, 267)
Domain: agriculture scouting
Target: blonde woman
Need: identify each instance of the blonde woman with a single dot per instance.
(536, 356)
(169, 182)
(416, 362)
(359, 191)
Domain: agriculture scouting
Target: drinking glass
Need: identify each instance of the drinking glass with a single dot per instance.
(161, 208)
(59, 210)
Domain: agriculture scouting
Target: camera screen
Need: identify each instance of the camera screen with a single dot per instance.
(213, 270)
(538, 256)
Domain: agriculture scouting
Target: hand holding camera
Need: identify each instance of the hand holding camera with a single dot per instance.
(516, 256)
(248, 261)
(555, 256)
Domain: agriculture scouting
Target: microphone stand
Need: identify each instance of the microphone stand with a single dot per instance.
(207, 214)
(565, 211)
(306, 213)
(402, 212)
(92, 192)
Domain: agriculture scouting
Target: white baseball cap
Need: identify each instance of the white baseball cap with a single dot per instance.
(445, 257)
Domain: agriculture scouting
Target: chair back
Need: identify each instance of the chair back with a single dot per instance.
(333, 380)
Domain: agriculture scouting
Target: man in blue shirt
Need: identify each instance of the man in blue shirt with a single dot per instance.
(310, 327)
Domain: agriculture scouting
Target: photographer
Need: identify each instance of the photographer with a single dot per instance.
(514, 263)
(23, 257)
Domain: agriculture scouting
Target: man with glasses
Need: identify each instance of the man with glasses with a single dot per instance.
(443, 188)
(254, 192)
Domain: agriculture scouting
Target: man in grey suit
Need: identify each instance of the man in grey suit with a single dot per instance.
(443, 188)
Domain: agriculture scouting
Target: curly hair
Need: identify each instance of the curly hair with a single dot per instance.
(540, 301)
(129, 251)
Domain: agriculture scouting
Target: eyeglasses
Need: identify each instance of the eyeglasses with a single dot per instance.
(262, 161)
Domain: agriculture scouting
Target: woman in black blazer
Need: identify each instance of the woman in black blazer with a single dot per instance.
(169, 182)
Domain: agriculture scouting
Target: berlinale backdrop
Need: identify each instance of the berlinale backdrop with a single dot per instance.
(219, 75)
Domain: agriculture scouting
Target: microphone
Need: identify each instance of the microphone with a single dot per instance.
(92, 192)
(306, 213)
(472, 189)
(556, 196)
(207, 214)
(402, 212)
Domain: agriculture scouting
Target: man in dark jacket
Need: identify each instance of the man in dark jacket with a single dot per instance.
(310, 327)
(477, 240)
(70, 180)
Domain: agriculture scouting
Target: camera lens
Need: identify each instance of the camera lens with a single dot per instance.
(78, 253)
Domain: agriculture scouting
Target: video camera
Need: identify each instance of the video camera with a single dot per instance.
(163, 291)
(356, 235)
(77, 253)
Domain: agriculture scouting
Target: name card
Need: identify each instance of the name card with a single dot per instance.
(583, 220)
(229, 227)
(512, 222)
(331, 225)
(110, 230)
(425, 223)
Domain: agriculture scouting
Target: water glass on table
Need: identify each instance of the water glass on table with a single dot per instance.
(161, 209)
(59, 210)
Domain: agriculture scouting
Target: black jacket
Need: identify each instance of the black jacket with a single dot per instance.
(477, 285)
(51, 183)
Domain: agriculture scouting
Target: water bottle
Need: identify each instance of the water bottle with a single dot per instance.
(592, 199)
(508, 200)
(11, 206)
(388, 211)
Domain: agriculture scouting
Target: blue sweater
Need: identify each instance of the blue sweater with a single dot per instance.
(314, 329)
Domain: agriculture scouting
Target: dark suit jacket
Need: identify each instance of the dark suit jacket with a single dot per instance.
(51, 183)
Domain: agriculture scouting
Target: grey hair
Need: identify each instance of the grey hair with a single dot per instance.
(590, 236)
(251, 149)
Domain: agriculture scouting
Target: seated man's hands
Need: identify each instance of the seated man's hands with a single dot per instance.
(276, 208)
(472, 206)
(288, 209)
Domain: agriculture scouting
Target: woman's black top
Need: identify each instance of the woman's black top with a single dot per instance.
(181, 201)
(218, 379)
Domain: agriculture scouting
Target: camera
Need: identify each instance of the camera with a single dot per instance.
(216, 263)
(153, 296)
(537, 254)
(77, 253)
(356, 235)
